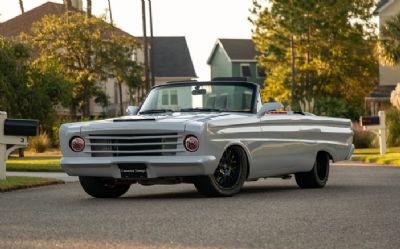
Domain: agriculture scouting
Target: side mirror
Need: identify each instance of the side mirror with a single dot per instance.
(272, 106)
(132, 110)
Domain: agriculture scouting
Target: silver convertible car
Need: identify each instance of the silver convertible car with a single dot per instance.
(216, 135)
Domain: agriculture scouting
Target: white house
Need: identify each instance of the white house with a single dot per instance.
(379, 98)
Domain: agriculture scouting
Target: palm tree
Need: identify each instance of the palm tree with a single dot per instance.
(389, 43)
(21, 5)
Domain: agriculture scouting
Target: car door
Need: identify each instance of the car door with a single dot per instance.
(282, 149)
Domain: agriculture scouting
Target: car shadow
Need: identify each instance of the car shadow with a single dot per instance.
(193, 194)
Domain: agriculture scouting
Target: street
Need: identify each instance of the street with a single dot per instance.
(359, 208)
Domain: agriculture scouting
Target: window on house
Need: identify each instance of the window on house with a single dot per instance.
(245, 70)
(260, 72)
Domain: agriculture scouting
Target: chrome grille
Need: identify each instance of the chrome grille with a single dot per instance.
(117, 145)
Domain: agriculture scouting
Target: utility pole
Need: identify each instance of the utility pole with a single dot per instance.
(89, 8)
(151, 46)
(109, 9)
(21, 5)
(145, 47)
(293, 82)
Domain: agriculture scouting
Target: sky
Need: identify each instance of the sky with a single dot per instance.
(200, 21)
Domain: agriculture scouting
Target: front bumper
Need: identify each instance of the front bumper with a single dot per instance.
(157, 166)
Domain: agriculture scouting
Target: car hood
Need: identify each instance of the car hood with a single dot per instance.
(172, 122)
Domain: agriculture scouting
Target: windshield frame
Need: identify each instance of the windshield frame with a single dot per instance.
(253, 86)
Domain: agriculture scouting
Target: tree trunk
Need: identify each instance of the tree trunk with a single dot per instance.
(86, 108)
(121, 106)
(89, 8)
(21, 5)
(109, 8)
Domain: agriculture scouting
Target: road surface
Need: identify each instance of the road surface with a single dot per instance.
(359, 208)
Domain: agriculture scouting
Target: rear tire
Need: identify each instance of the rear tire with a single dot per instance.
(101, 188)
(318, 176)
(229, 176)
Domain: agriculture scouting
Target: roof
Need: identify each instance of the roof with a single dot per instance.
(236, 49)
(23, 23)
(381, 4)
(381, 93)
(172, 57)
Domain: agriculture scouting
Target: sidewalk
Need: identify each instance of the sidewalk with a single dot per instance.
(61, 176)
(363, 164)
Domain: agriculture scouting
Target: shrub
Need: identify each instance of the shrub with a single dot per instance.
(40, 143)
(393, 127)
(364, 139)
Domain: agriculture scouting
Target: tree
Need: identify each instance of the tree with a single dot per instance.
(125, 70)
(85, 50)
(389, 43)
(317, 54)
(26, 89)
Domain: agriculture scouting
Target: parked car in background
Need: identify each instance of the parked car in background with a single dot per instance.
(216, 135)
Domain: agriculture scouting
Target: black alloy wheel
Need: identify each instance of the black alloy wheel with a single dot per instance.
(228, 171)
(229, 176)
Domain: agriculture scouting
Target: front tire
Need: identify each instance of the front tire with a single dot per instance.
(229, 176)
(101, 188)
(318, 176)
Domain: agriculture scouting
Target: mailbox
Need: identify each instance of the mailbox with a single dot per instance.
(13, 135)
(20, 127)
(377, 125)
(373, 120)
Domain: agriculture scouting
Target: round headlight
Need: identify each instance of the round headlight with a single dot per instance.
(77, 144)
(191, 143)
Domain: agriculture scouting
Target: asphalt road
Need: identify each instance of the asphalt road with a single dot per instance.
(359, 208)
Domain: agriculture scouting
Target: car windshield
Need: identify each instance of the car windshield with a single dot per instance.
(199, 97)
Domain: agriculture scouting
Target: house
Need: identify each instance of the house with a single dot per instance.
(172, 61)
(379, 98)
(235, 58)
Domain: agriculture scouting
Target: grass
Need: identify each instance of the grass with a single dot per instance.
(34, 164)
(21, 182)
(392, 156)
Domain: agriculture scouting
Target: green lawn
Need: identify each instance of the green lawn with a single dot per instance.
(392, 156)
(20, 182)
(35, 164)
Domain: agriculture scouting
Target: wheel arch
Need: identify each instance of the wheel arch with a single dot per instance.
(327, 152)
(246, 152)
